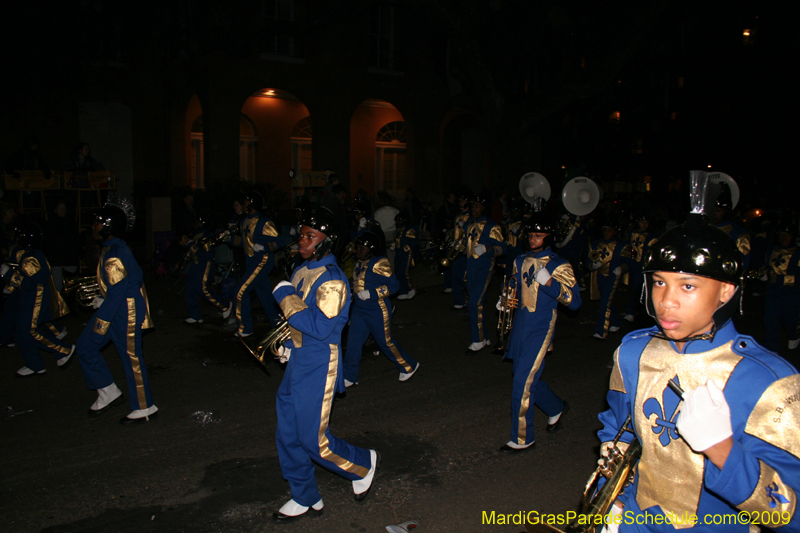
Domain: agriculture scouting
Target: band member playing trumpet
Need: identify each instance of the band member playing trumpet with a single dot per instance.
(723, 442)
(121, 314)
(606, 260)
(259, 238)
(371, 312)
(543, 280)
(316, 305)
(484, 244)
(39, 303)
(201, 275)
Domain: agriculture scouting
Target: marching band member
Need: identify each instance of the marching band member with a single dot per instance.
(122, 312)
(606, 260)
(782, 306)
(542, 280)
(371, 312)
(723, 220)
(201, 275)
(572, 247)
(259, 238)
(406, 248)
(316, 305)
(514, 243)
(484, 244)
(39, 303)
(458, 268)
(726, 444)
(639, 242)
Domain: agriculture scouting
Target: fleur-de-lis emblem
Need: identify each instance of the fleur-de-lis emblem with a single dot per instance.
(779, 260)
(360, 269)
(527, 277)
(774, 496)
(604, 253)
(474, 234)
(665, 411)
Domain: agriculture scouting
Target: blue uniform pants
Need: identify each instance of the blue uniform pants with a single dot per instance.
(529, 390)
(198, 285)
(607, 315)
(402, 261)
(255, 278)
(127, 338)
(459, 270)
(375, 319)
(304, 401)
(636, 280)
(32, 338)
(479, 274)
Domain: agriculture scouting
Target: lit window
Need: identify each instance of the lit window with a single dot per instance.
(614, 117)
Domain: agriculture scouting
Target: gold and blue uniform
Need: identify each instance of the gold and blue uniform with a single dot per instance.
(38, 303)
(532, 335)
(406, 249)
(374, 316)
(741, 237)
(761, 475)
(639, 243)
(611, 254)
(316, 306)
(782, 306)
(120, 319)
(256, 229)
(458, 267)
(480, 269)
(201, 275)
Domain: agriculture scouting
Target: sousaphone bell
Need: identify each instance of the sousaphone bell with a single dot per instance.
(534, 185)
(580, 196)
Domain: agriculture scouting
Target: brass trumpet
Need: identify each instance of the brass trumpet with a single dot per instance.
(620, 469)
(452, 247)
(756, 273)
(270, 343)
(508, 307)
(594, 255)
(348, 252)
(86, 289)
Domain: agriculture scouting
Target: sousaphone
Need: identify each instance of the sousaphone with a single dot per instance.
(580, 196)
(534, 185)
(718, 178)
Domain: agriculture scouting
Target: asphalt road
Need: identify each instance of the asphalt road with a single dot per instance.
(208, 463)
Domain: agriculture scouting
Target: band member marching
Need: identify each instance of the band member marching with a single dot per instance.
(782, 305)
(542, 281)
(607, 261)
(406, 249)
(122, 312)
(458, 268)
(201, 275)
(514, 244)
(721, 441)
(722, 217)
(640, 240)
(316, 305)
(371, 312)
(39, 303)
(484, 244)
(259, 238)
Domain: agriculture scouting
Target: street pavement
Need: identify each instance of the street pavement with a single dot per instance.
(208, 462)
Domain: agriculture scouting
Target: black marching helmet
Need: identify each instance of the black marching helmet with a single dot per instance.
(324, 221)
(372, 239)
(28, 233)
(539, 222)
(786, 225)
(361, 206)
(255, 199)
(697, 247)
(484, 198)
(117, 216)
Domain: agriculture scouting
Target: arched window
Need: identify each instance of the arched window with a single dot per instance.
(390, 158)
(301, 146)
(197, 166)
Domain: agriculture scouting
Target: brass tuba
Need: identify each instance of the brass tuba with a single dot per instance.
(620, 469)
(86, 289)
(509, 301)
(594, 255)
(452, 247)
(270, 343)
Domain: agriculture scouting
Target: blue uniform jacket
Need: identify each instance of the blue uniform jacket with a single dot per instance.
(33, 281)
(484, 231)
(783, 267)
(761, 474)
(374, 275)
(258, 229)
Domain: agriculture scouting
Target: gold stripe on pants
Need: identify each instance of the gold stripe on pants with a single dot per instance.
(522, 425)
(136, 365)
(387, 326)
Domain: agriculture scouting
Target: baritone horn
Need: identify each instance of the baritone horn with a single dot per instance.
(271, 343)
(452, 247)
(619, 467)
(508, 307)
(86, 289)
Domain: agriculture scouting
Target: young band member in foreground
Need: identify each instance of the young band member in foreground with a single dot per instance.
(728, 446)
(122, 313)
(542, 280)
(316, 305)
(373, 283)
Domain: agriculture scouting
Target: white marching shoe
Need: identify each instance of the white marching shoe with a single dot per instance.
(226, 313)
(348, 384)
(24, 372)
(292, 510)
(107, 397)
(62, 334)
(407, 296)
(140, 416)
(362, 487)
(405, 376)
(478, 346)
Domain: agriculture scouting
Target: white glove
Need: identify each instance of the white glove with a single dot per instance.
(363, 222)
(363, 295)
(596, 265)
(542, 276)
(479, 249)
(499, 305)
(282, 284)
(284, 353)
(392, 247)
(6, 291)
(705, 418)
(258, 247)
(292, 231)
(618, 271)
(97, 302)
(3, 269)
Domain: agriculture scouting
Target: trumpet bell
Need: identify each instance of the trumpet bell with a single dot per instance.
(580, 196)
(534, 185)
